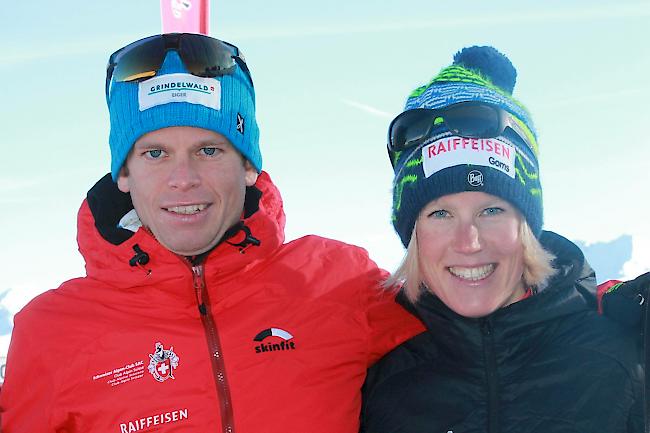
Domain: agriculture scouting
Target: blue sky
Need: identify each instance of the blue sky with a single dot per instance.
(329, 77)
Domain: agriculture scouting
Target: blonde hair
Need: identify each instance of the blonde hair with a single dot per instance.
(538, 267)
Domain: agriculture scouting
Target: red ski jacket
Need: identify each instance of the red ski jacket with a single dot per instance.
(272, 338)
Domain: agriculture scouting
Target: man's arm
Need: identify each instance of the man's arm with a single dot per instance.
(390, 324)
(27, 396)
(624, 301)
(387, 324)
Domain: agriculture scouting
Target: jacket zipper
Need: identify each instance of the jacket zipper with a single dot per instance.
(216, 354)
(491, 375)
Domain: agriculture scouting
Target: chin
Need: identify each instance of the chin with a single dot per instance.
(184, 249)
(474, 312)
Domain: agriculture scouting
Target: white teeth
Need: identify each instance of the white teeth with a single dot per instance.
(473, 274)
(187, 210)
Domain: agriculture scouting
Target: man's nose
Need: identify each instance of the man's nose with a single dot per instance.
(184, 174)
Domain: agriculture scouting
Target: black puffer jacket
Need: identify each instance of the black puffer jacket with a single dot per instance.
(546, 364)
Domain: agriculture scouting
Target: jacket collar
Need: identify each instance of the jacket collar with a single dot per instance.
(108, 250)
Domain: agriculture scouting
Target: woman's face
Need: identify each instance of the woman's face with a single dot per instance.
(470, 252)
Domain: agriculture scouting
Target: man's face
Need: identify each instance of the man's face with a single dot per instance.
(187, 185)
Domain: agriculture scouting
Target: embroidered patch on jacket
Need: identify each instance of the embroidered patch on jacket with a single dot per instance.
(274, 339)
(121, 374)
(162, 363)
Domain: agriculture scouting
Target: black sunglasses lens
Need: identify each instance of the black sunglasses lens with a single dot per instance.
(206, 57)
(410, 128)
(477, 121)
(139, 60)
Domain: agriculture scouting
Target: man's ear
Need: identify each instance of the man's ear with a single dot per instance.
(123, 179)
(251, 173)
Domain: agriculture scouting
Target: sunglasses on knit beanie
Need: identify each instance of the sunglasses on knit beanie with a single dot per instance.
(471, 119)
(202, 56)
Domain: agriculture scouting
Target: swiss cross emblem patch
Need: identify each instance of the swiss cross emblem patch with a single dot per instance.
(164, 369)
(162, 363)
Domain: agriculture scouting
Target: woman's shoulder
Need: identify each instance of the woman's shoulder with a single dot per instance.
(601, 337)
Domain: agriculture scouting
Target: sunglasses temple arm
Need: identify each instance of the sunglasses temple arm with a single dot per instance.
(244, 67)
(109, 77)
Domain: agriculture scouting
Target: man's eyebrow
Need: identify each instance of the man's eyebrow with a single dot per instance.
(144, 144)
(213, 142)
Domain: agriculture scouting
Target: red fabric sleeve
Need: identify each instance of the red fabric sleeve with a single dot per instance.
(602, 289)
(389, 324)
(27, 395)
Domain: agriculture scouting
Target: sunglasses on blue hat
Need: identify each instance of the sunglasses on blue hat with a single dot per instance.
(471, 119)
(202, 56)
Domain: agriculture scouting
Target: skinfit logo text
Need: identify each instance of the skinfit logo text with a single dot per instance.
(282, 342)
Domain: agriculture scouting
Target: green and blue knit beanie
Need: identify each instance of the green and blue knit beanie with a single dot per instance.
(173, 97)
(504, 166)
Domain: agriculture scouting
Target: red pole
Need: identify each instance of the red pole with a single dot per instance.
(185, 16)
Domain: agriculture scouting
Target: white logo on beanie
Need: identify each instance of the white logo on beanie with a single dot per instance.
(187, 88)
(240, 123)
(475, 178)
(452, 151)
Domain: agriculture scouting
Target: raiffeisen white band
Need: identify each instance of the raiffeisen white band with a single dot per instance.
(452, 151)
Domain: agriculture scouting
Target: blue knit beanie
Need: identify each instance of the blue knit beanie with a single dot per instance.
(439, 167)
(174, 97)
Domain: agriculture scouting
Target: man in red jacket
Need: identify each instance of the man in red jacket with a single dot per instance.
(194, 315)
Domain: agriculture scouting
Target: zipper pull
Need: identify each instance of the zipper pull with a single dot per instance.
(198, 281)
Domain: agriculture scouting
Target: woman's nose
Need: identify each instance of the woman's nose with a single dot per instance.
(467, 239)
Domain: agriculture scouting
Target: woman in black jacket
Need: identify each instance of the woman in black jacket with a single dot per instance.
(514, 342)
